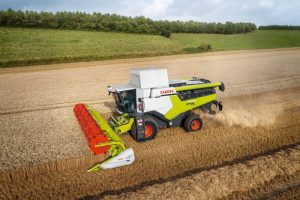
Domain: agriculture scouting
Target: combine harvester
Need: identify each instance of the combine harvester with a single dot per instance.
(148, 103)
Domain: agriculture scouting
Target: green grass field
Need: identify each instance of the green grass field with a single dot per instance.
(259, 39)
(21, 46)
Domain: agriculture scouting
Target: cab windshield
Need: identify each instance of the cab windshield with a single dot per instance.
(125, 101)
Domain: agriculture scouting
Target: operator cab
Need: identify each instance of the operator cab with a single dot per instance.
(125, 98)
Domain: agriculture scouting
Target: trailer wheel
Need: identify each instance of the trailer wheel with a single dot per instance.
(193, 123)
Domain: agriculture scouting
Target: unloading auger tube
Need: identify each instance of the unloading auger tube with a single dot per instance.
(102, 139)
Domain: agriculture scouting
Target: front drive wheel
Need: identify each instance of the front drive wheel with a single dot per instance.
(151, 128)
(193, 123)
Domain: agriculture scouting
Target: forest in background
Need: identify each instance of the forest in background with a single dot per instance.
(279, 27)
(116, 23)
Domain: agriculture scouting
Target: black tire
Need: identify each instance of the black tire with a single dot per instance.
(193, 123)
(133, 132)
(149, 122)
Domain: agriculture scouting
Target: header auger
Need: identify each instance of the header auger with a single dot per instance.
(148, 103)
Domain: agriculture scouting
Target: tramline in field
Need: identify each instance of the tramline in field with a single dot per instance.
(148, 103)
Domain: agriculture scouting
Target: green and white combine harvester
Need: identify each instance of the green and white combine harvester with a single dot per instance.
(148, 103)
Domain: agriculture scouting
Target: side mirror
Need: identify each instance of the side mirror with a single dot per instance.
(222, 87)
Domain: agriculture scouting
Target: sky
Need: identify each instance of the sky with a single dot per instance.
(261, 12)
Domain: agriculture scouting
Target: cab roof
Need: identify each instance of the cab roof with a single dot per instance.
(120, 88)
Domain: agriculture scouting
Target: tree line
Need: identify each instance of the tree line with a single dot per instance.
(279, 27)
(114, 22)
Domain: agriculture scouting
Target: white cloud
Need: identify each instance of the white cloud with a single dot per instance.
(266, 4)
(30, 8)
(157, 8)
(216, 2)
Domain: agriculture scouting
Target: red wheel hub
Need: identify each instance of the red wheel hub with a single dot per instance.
(195, 125)
(148, 131)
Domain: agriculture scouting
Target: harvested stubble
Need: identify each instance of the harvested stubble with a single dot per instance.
(230, 182)
(173, 153)
(282, 186)
(291, 194)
